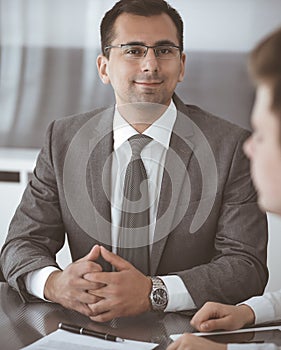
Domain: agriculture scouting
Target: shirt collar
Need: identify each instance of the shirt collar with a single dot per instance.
(159, 131)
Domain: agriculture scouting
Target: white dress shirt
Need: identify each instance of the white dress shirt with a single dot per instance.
(267, 308)
(153, 156)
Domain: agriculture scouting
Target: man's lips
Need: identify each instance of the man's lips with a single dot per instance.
(148, 83)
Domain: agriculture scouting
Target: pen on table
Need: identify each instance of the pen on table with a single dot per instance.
(85, 331)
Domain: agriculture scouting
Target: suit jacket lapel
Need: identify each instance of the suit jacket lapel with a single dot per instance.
(173, 185)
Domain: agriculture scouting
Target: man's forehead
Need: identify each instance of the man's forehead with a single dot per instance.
(145, 29)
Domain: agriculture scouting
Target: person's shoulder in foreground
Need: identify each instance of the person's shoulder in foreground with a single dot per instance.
(263, 149)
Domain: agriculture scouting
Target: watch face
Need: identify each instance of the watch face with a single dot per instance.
(160, 297)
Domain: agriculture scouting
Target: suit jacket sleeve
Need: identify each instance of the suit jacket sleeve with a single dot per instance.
(36, 232)
(237, 269)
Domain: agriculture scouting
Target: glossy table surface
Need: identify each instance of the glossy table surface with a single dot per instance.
(23, 323)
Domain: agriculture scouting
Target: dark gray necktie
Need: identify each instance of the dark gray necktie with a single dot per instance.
(134, 225)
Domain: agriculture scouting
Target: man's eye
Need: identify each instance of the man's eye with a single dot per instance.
(164, 51)
(134, 51)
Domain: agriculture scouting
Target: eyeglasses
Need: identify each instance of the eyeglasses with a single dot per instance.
(163, 52)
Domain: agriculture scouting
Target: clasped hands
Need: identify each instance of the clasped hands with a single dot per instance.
(102, 296)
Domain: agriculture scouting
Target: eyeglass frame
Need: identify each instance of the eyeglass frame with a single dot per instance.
(120, 46)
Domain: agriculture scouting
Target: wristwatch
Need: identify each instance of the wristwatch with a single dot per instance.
(159, 294)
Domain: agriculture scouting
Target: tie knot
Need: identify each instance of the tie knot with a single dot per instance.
(137, 143)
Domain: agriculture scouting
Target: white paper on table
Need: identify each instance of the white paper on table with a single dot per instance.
(64, 340)
(244, 330)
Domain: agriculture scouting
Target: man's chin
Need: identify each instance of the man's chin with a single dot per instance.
(262, 206)
(265, 204)
(152, 98)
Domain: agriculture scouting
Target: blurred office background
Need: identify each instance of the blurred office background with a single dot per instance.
(48, 50)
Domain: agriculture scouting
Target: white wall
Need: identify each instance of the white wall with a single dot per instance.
(227, 25)
(209, 25)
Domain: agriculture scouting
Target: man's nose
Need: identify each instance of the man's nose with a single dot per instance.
(248, 147)
(150, 62)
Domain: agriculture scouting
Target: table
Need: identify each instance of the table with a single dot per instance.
(23, 323)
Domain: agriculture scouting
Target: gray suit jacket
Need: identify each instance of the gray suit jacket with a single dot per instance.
(209, 229)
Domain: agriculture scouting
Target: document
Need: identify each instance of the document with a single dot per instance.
(243, 330)
(64, 340)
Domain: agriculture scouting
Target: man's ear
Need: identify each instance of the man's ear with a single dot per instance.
(102, 65)
(182, 67)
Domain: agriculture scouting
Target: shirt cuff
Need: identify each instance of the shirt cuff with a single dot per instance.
(262, 309)
(179, 298)
(35, 281)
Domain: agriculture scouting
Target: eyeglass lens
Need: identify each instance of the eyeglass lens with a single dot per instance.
(139, 51)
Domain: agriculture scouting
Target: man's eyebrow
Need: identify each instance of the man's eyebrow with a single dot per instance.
(160, 42)
(135, 43)
(165, 42)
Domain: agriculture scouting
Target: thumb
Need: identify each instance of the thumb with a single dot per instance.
(213, 324)
(209, 317)
(115, 260)
(92, 255)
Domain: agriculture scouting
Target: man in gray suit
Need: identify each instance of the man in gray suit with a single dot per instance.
(206, 238)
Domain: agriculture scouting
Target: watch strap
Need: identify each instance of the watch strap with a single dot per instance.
(159, 294)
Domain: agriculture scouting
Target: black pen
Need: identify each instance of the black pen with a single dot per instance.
(85, 331)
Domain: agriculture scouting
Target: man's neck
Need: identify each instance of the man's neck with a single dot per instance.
(141, 115)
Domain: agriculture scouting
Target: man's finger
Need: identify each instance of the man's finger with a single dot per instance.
(209, 311)
(101, 311)
(88, 298)
(211, 325)
(215, 324)
(101, 278)
(92, 255)
(106, 316)
(115, 260)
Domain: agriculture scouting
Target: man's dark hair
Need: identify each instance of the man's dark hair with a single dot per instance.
(145, 8)
(265, 67)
